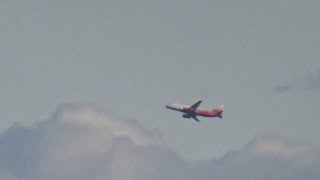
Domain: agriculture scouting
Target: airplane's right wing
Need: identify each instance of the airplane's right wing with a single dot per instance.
(195, 106)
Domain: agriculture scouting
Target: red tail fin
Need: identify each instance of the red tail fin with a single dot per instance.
(219, 110)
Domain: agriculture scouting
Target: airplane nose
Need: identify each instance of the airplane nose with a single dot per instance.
(168, 105)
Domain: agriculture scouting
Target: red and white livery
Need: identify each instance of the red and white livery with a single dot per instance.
(193, 111)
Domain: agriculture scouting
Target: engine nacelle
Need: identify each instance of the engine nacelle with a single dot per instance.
(186, 116)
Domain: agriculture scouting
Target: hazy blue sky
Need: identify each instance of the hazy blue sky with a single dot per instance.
(259, 58)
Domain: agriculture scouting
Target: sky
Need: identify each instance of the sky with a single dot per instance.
(130, 58)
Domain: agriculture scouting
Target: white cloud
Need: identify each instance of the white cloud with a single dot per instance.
(88, 116)
(81, 142)
(278, 147)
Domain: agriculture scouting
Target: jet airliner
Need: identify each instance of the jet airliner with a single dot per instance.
(193, 111)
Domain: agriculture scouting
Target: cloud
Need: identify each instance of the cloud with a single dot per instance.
(313, 80)
(265, 158)
(82, 142)
(283, 88)
(276, 147)
(310, 81)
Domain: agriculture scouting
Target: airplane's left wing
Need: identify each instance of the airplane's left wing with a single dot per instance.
(196, 105)
(195, 118)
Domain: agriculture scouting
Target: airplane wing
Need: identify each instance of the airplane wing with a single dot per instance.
(196, 105)
(195, 118)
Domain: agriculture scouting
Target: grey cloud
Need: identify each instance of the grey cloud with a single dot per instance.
(283, 88)
(81, 142)
(313, 80)
(265, 158)
(310, 81)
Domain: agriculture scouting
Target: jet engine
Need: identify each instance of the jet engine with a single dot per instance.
(186, 116)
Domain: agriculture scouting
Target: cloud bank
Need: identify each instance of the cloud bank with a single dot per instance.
(81, 142)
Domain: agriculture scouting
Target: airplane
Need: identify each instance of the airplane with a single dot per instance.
(193, 111)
